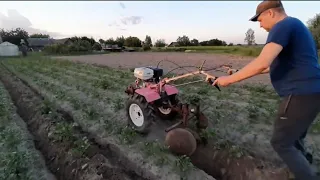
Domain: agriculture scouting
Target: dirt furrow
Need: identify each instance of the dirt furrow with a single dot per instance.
(70, 153)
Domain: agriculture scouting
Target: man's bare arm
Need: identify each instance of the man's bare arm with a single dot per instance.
(265, 71)
(260, 64)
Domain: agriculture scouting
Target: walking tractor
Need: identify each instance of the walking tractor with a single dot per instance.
(153, 95)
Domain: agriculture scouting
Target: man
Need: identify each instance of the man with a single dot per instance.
(290, 55)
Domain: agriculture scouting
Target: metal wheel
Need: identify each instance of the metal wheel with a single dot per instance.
(136, 115)
(139, 113)
(167, 113)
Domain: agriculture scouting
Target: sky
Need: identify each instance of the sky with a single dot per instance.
(202, 20)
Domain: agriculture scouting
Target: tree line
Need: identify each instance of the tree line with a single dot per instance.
(14, 36)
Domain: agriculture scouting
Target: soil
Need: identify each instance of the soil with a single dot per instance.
(224, 166)
(97, 163)
(137, 59)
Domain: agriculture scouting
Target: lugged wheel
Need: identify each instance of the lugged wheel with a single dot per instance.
(140, 113)
(167, 113)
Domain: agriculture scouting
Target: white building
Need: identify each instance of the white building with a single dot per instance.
(8, 49)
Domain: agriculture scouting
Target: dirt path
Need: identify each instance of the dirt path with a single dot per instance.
(137, 59)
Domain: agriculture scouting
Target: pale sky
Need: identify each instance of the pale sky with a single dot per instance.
(203, 20)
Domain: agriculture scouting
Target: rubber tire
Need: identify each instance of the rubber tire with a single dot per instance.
(171, 115)
(147, 111)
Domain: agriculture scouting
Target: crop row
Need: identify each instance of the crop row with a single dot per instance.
(19, 158)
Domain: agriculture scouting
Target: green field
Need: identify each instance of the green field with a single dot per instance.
(235, 50)
(241, 116)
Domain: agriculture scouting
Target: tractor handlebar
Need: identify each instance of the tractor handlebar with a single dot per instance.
(210, 81)
(209, 78)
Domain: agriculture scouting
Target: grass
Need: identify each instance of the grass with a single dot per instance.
(19, 158)
(234, 50)
(241, 116)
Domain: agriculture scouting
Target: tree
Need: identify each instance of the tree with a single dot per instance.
(213, 42)
(101, 41)
(194, 42)
(250, 38)
(148, 41)
(183, 41)
(160, 43)
(314, 27)
(97, 46)
(39, 35)
(110, 41)
(132, 42)
(14, 36)
(90, 40)
(120, 41)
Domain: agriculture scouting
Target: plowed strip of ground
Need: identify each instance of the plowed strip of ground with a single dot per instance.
(70, 153)
(19, 158)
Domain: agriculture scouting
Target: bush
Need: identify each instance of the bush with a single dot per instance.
(146, 47)
(77, 47)
(97, 47)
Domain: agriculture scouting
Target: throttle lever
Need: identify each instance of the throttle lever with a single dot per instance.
(211, 82)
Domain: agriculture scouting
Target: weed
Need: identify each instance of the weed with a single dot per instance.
(118, 103)
(184, 165)
(208, 133)
(103, 84)
(236, 151)
(15, 166)
(203, 91)
(64, 132)
(10, 137)
(253, 112)
(91, 112)
(315, 128)
(127, 135)
(81, 146)
(46, 107)
(192, 99)
(156, 150)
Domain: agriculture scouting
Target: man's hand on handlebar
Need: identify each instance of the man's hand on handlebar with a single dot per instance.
(222, 81)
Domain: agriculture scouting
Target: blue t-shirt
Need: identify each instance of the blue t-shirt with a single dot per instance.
(296, 70)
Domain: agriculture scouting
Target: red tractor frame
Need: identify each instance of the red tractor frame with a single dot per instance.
(153, 96)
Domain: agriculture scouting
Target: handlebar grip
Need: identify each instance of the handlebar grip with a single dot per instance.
(211, 82)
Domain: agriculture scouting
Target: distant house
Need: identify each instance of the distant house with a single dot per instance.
(8, 49)
(173, 44)
(111, 47)
(38, 44)
(66, 41)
